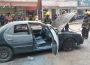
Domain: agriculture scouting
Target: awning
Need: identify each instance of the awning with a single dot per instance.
(83, 8)
(29, 8)
(34, 4)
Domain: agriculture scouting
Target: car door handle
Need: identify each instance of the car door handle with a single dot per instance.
(9, 39)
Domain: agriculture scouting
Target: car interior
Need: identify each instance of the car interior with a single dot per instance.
(42, 34)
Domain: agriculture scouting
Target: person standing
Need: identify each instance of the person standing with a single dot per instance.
(20, 17)
(2, 19)
(67, 27)
(9, 18)
(47, 20)
(86, 25)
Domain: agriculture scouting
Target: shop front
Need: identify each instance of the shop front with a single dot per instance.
(25, 8)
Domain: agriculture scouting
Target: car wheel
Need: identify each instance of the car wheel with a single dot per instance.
(6, 53)
(69, 44)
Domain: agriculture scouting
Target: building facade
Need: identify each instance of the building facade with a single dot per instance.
(25, 7)
(55, 7)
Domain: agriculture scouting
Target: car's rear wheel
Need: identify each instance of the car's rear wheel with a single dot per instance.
(6, 53)
(69, 44)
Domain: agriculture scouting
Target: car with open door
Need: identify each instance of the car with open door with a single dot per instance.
(28, 36)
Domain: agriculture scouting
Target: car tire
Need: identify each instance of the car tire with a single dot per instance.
(69, 44)
(6, 54)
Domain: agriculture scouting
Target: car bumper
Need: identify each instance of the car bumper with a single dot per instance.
(81, 40)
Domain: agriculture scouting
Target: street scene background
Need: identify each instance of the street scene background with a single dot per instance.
(15, 10)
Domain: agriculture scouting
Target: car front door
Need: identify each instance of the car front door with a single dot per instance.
(21, 38)
(55, 40)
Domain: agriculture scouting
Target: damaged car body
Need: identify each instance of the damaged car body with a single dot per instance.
(28, 36)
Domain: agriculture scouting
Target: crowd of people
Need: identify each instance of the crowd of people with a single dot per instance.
(6, 18)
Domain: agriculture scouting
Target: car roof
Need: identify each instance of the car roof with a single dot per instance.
(17, 22)
(22, 22)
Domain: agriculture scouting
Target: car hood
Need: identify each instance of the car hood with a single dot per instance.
(62, 20)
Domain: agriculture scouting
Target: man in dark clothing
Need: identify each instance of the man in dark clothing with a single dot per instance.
(2, 19)
(67, 27)
(86, 26)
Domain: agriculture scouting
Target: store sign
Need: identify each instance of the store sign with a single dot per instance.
(83, 3)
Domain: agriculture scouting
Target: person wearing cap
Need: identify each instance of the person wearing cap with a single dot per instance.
(86, 25)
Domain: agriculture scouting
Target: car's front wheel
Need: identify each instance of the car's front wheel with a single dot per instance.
(69, 44)
(6, 53)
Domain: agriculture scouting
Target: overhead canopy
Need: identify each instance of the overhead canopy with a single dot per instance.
(61, 21)
(29, 8)
(34, 4)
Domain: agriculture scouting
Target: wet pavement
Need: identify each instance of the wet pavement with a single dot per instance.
(79, 56)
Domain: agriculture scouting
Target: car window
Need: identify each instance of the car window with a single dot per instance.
(21, 29)
(36, 26)
(47, 31)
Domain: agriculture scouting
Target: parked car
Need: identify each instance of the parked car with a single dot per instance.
(28, 36)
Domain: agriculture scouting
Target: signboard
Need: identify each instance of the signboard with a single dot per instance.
(83, 3)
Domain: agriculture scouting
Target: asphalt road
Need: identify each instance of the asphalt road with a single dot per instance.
(79, 56)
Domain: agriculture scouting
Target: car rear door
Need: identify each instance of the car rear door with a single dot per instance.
(20, 38)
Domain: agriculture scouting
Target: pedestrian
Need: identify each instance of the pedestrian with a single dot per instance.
(9, 17)
(27, 18)
(86, 25)
(20, 17)
(15, 17)
(47, 20)
(30, 17)
(2, 19)
(67, 27)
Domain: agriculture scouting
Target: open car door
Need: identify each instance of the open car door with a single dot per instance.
(55, 40)
(62, 20)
